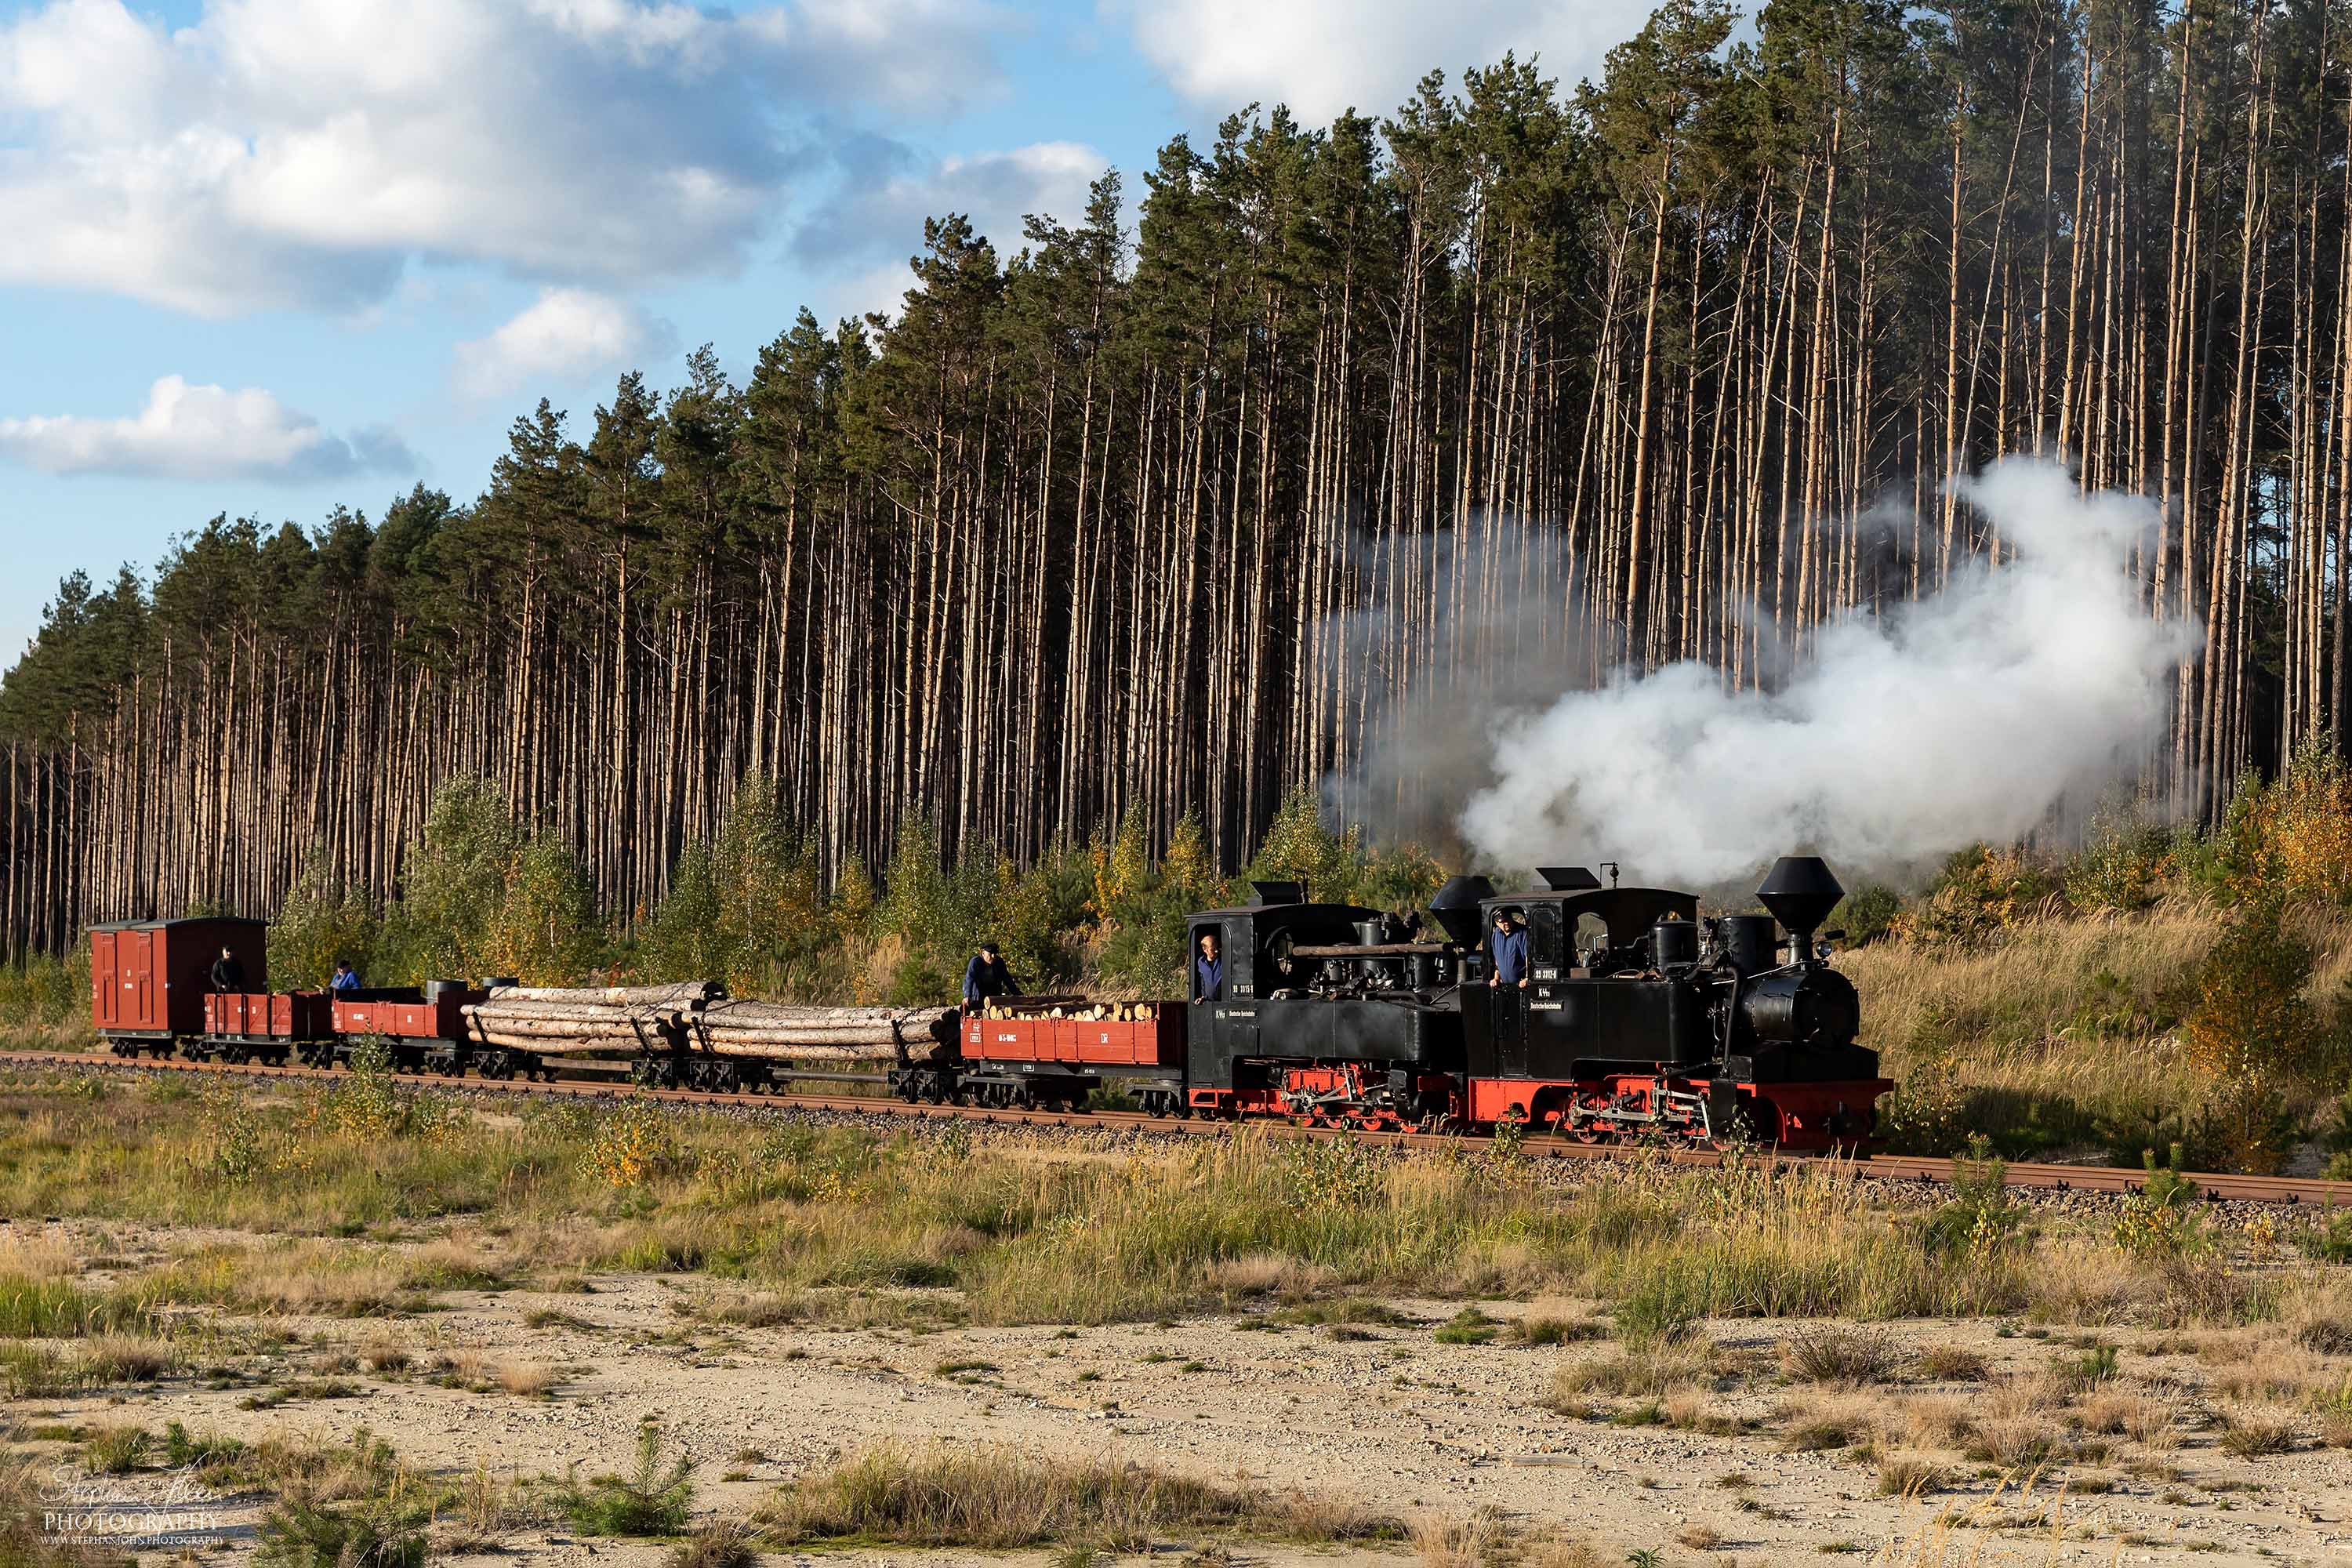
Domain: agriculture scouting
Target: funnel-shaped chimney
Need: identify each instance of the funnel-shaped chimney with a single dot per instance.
(1800, 892)
(1456, 908)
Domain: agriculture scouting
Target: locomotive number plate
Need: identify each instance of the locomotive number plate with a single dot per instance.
(1545, 971)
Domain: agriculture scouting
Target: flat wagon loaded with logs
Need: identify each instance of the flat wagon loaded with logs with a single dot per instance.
(1598, 1014)
(694, 1036)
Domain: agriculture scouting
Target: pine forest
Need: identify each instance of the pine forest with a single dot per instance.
(1150, 513)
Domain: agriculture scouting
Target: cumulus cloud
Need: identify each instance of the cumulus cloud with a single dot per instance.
(1321, 57)
(202, 433)
(302, 152)
(566, 336)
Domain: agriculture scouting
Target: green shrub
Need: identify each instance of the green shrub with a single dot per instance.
(1981, 893)
(1928, 1111)
(1981, 1219)
(183, 1447)
(45, 991)
(2160, 1220)
(2250, 1013)
(376, 1533)
(1866, 914)
(315, 927)
(2329, 1241)
(2124, 864)
(1468, 1327)
(653, 1501)
(748, 909)
(118, 1450)
(454, 884)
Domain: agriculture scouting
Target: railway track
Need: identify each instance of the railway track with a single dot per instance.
(2298, 1190)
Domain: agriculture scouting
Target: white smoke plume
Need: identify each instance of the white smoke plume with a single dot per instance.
(1976, 713)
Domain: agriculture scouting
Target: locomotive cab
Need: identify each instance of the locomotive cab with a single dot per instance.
(1595, 1000)
(1320, 1010)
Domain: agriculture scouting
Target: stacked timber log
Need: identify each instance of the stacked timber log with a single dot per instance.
(1076, 1007)
(696, 1014)
(819, 1034)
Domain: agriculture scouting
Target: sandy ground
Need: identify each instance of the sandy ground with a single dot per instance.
(1397, 1419)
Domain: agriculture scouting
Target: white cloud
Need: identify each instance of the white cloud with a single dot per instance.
(202, 433)
(1321, 57)
(567, 335)
(874, 222)
(301, 153)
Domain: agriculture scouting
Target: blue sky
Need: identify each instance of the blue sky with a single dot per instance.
(265, 257)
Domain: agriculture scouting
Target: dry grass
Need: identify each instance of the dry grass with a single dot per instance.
(1643, 1374)
(26, 1483)
(1910, 1475)
(2250, 1433)
(998, 1499)
(128, 1358)
(2018, 1442)
(1688, 1412)
(2322, 1333)
(1953, 1364)
(452, 1263)
(1476, 1541)
(1837, 1421)
(38, 1257)
(2019, 1001)
(482, 1509)
(721, 1544)
(1565, 1553)
(1550, 1320)
(749, 1309)
(1840, 1353)
(383, 1354)
(531, 1379)
(1939, 1420)
(2265, 1369)
(2146, 1417)
(1267, 1274)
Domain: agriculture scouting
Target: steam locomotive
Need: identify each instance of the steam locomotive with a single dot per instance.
(1638, 1020)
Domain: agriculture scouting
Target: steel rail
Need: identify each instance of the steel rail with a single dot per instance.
(2219, 1185)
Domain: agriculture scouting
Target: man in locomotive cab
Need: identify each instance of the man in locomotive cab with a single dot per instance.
(986, 976)
(228, 975)
(1209, 970)
(1508, 950)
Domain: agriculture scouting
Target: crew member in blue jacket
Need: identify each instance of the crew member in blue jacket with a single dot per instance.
(986, 976)
(1509, 950)
(346, 977)
(1208, 970)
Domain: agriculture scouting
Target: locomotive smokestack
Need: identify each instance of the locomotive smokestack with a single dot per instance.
(1456, 908)
(1800, 892)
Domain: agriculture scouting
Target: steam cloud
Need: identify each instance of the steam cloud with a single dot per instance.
(2017, 691)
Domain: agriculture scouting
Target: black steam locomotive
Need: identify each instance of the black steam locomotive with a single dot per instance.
(1637, 1019)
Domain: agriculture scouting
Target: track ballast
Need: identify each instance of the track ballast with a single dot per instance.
(2218, 1187)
